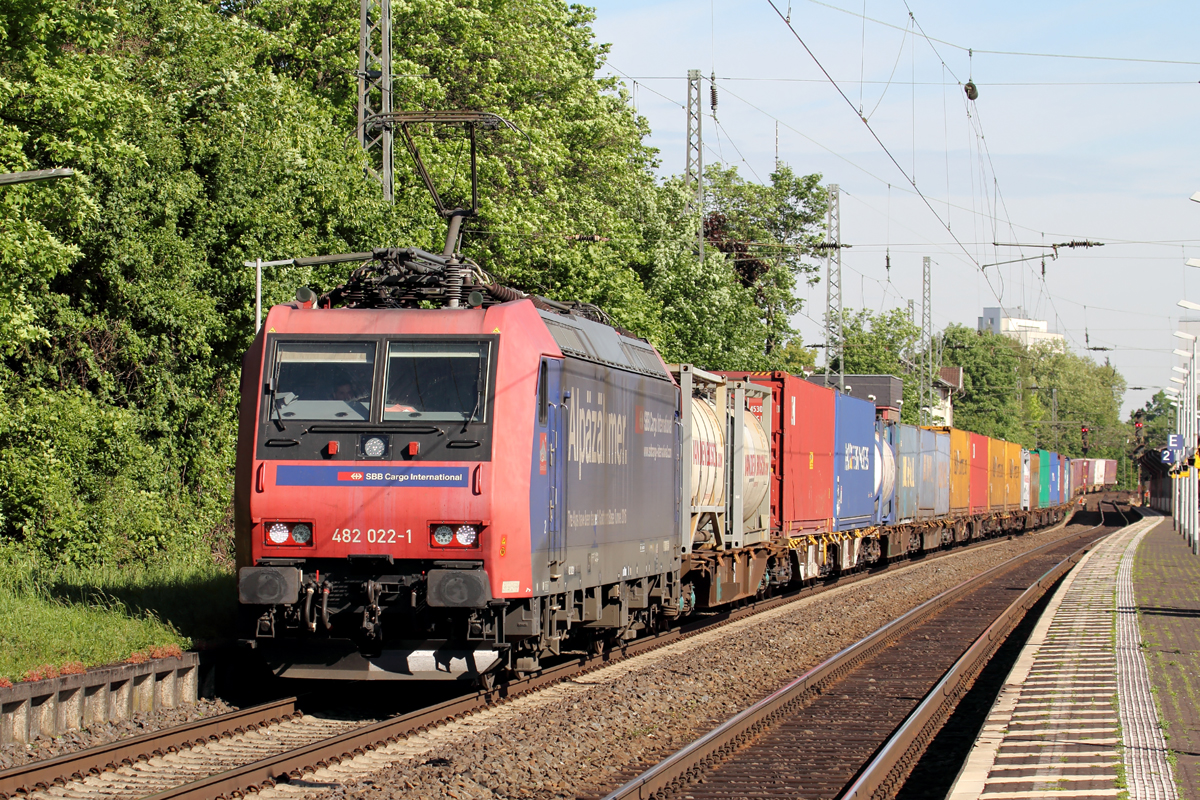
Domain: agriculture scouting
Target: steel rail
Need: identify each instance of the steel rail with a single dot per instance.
(40, 775)
(682, 766)
(885, 773)
(292, 764)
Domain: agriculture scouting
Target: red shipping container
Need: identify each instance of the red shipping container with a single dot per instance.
(801, 451)
(980, 474)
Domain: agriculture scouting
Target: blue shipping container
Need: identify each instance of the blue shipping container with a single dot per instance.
(1055, 480)
(908, 463)
(854, 463)
(927, 483)
(942, 504)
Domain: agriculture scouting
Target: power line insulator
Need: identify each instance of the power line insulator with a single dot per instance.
(972, 90)
(712, 85)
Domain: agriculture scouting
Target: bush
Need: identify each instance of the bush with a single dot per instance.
(84, 482)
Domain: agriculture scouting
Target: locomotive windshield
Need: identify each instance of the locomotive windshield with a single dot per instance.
(436, 381)
(323, 381)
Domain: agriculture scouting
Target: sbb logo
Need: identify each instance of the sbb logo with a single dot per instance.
(350, 476)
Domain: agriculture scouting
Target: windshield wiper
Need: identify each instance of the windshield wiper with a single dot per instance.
(479, 390)
(274, 415)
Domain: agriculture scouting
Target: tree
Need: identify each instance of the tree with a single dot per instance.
(796, 358)
(1158, 416)
(767, 231)
(989, 402)
(1085, 393)
(886, 343)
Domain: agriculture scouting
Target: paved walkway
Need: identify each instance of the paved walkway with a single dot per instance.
(1166, 578)
(1076, 717)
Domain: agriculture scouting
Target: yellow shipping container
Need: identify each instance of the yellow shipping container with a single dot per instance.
(960, 469)
(1012, 482)
(997, 474)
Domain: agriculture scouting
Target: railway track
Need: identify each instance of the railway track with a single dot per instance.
(855, 725)
(229, 755)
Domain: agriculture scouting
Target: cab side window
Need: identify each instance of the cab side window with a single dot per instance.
(543, 393)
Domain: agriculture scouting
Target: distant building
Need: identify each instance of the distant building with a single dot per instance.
(1016, 323)
(885, 391)
(947, 383)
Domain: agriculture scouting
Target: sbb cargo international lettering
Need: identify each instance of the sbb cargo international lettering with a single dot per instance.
(289, 475)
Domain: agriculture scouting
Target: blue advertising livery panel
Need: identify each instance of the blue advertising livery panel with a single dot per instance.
(854, 468)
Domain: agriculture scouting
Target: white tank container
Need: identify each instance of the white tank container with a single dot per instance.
(708, 455)
(708, 460)
(885, 470)
(756, 482)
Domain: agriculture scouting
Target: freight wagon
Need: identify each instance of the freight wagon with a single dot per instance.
(462, 492)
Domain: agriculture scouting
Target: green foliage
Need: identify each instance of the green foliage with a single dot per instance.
(52, 613)
(1083, 392)
(1158, 415)
(991, 364)
(998, 398)
(206, 134)
(766, 232)
(885, 344)
(796, 358)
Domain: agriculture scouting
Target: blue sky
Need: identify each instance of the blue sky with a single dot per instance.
(1053, 149)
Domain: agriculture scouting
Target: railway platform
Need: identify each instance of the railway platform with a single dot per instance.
(1076, 716)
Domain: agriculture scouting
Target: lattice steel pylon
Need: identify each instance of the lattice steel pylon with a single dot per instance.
(834, 338)
(693, 175)
(927, 401)
(375, 89)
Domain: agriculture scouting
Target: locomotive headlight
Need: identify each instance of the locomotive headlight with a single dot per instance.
(466, 535)
(301, 533)
(374, 447)
(278, 533)
(443, 535)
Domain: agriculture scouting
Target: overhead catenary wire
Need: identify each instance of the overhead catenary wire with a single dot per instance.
(883, 181)
(965, 48)
(875, 136)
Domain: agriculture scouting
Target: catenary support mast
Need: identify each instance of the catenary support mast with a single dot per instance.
(927, 342)
(693, 176)
(834, 341)
(375, 88)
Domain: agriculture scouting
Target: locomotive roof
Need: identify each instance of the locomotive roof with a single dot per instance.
(602, 344)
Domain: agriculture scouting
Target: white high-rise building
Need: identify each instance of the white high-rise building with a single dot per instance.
(1017, 324)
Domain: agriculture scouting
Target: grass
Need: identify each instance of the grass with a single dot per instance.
(58, 617)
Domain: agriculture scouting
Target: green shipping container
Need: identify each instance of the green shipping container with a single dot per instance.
(1043, 479)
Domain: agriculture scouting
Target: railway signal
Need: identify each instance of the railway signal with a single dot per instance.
(1083, 431)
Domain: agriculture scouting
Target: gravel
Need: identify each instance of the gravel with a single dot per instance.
(583, 736)
(43, 747)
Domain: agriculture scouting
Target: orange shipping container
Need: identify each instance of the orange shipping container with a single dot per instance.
(1012, 484)
(960, 470)
(997, 474)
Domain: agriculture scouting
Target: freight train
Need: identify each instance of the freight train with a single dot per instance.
(442, 478)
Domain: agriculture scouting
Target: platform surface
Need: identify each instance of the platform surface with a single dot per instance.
(1166, 579)
(1076, 717)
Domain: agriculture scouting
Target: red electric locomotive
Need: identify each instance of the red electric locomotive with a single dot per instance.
(449, 493)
